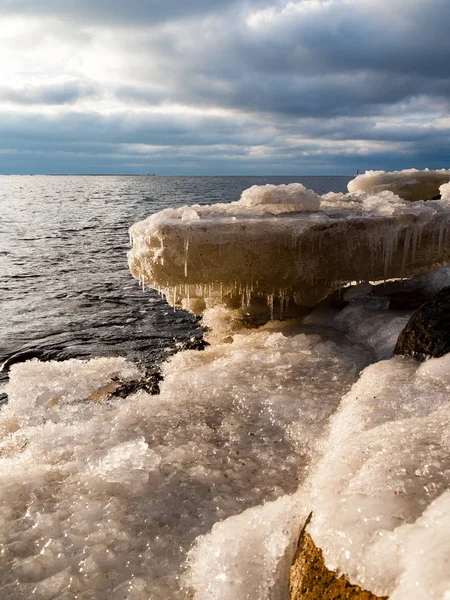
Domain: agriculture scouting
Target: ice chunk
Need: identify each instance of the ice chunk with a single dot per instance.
(409, 184)
(247, 557)
(255, 252)
(190, 215)
(295, 195)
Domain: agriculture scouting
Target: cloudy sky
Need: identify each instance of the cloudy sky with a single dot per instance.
(224, 86)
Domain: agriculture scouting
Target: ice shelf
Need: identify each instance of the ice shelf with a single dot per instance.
(281, 245)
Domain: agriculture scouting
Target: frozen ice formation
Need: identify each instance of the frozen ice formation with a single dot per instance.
(288, 245)
(383, 518)
(105, 497)
(409, 184)
(378, 490)
(102, 497)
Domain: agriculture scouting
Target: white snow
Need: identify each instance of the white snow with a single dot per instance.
(294, 195)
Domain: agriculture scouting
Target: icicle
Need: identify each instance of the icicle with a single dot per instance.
(406, 244)
(415, 239)
(186, 250)
(270, 304)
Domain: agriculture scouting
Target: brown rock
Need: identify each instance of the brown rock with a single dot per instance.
(311, 580)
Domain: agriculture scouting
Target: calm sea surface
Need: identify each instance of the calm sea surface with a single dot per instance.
(65, 288)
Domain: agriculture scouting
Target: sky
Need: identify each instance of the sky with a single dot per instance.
(226, 87)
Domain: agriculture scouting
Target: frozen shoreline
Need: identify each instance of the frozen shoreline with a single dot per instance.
(107, 497)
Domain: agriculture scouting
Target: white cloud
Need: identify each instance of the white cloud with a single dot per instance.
(298, 79)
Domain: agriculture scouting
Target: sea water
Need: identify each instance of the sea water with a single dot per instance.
(65, 286)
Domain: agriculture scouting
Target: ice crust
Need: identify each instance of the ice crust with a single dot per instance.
(383, 516)
(285, 244)
(102, 497)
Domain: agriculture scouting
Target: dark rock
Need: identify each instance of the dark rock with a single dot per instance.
(427, 333)
(149, 384)
(193, 343)
(311, 580)
(407, 300)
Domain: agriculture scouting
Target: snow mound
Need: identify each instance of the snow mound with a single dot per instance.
(383, 516)
(294, 194)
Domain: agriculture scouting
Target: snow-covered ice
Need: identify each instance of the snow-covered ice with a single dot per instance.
(286, 244)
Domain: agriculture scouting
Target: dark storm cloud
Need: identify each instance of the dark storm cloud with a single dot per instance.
(62, 93)
(284, 87)
(327, 58)
(117, 12)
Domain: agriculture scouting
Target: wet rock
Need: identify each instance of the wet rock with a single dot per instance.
(149, 383)
(311, 580)
(427, 333)
(193, 343)
(408, 300)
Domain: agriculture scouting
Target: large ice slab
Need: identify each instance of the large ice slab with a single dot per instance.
(409, 184)
(288, 244)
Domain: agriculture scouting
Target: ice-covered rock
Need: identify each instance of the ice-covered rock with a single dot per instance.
(380, 495)
(284, 244)
(410, 184)
(311, 580)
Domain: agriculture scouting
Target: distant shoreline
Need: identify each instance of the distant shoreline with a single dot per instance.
(153, 175)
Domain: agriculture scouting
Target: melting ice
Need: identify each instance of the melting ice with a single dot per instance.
(202, 490)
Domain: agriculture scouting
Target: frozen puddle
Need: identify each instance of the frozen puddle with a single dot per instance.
(103, 498)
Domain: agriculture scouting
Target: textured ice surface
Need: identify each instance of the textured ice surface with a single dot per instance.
(293, 196)
(380, 494)
(102, 497)
(246, 557)
(410, 184)
(283, 244)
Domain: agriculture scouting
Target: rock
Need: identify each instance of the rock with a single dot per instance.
(311, 580)
(427, 333)
(149, 383)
